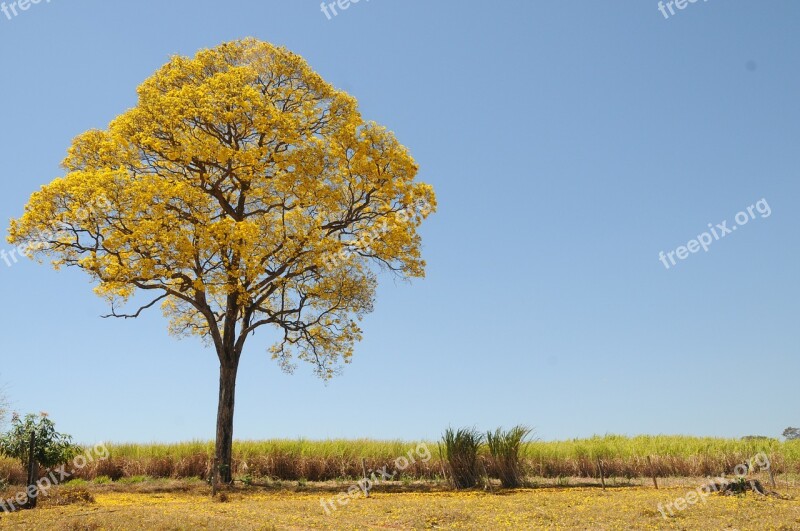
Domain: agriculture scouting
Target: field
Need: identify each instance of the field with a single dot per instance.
(623, 457)
(280, 484)
(172, 505)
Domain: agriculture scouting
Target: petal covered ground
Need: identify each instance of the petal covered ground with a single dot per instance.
(543, 508)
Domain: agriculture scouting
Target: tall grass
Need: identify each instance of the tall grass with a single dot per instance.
(671, 455)
(341, 459)
(504, 446)
(461, 451)
(285, 459)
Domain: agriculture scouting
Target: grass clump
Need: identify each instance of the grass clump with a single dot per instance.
(461, 452)
(504, 446)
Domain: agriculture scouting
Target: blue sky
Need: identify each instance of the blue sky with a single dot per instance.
(569, 143)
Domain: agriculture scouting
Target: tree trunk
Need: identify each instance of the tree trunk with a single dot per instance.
(224, 446)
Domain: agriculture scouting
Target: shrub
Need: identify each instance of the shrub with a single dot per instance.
(51, 448)
(505, 449)
(461, 452)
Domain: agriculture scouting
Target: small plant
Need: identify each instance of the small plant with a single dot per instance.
(50, 448)
(102, 480)
(740, 487)
(505, 449)
(461, 451)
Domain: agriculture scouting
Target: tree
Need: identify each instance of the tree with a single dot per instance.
(791, 434)
(241, 191)
(50, 449)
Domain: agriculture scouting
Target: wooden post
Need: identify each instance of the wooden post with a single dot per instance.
(652, 471)
(364, 470)
(32, 473)
(602, 474)
(771, 476)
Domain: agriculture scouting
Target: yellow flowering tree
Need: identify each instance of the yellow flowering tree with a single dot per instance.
(241, 191)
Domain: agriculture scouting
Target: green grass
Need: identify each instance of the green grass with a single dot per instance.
(604, 447)
(460, 448)
(299, 448)
(619, 446)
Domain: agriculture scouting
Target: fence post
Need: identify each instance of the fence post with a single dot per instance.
(771, 475)
(366, 482)
(33, 494)
(652, 471)
(602, 474)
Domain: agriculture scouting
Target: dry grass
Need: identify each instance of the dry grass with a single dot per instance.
(543, 508)
(295, 460)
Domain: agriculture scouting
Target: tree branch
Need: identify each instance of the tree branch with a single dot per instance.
(138, 312)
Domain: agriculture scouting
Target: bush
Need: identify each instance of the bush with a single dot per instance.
(505, 449)
(461, 452)
(51, 448)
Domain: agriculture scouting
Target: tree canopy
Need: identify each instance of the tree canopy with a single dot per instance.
(244, 190)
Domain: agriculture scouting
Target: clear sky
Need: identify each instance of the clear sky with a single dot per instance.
(569, 144)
